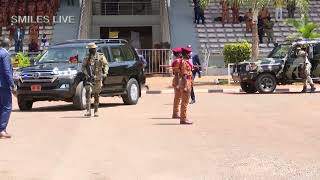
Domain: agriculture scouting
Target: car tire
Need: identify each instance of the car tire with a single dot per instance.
(79, 99)
(24, 105)
(133, 93)
(266, 83)
(249, 88)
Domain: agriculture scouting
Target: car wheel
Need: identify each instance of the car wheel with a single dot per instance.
(133, 91)
(249, 88)
(266, 83)
(79, 99)
(24, 105)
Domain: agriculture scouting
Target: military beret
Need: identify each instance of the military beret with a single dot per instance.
(177, 50)
(189, 50)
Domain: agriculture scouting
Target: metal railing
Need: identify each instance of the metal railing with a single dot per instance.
(85, 19)
(115, 7)
(155, 58)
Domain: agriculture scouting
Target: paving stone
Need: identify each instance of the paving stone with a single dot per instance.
(221, 35)
(213, 40)
(211, 30)
(220, 30)
(232, 40)
(214, 45)
(201, 30)
(203, 40)
(231, 35)
(222, 40)
(209, 25)
(218, 25)
(277, 34)
(228, 25)
(238, 30)
(229, 30)
(237, 25)
(240, 35)
(202, 35)
(211, 35)
(285, 29)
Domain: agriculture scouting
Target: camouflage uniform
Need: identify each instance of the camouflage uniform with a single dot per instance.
(307, 71)
(95, 67)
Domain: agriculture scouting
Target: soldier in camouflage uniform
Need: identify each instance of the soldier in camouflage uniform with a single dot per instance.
(307, 71)
(95, 67)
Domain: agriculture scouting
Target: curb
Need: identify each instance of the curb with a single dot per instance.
(221, 91)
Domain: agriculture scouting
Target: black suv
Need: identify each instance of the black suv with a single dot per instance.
(56, 77)
(282, 66)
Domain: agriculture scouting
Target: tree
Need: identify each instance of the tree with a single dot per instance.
(304, 27)
(256, 6)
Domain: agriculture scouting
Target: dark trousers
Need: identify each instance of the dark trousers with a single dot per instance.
(18, 46)
(71, 2)
(5, 107)
(198, 15)
(194, 74)
(291, 12)
(260, 34)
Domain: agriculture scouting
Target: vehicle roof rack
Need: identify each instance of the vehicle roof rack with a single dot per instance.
(97, 41)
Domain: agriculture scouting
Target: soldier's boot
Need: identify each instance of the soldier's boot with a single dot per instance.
(313, 88)
(185, 122)
(96, 106)
(304, 90)
(88, 113)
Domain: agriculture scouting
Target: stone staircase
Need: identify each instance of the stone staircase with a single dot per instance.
(212, 36)
(48, 30)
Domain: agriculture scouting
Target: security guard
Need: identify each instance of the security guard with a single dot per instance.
(186, 84)
(306, 70)
(176, 82)
(95, 67)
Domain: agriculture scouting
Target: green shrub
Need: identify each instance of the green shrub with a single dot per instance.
(236, 52)
(22, 60)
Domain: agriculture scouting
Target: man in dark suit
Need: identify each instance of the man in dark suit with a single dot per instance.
(18, 39)
(196, 70)
(6, 86)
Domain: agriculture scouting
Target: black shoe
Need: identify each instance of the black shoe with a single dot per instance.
(186, 122)
(192, 102)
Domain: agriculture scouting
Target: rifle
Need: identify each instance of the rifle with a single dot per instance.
(90, 77)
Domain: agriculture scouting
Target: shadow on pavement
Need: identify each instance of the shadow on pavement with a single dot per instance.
(67, 107)
(167, 124)
(275, 93)
(161, 118)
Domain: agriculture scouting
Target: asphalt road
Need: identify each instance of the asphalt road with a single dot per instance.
(235, 136)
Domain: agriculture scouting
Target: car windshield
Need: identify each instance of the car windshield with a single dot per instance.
(64, 55)
(280, 51)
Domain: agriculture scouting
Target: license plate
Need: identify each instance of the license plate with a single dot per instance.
(35, 88)
(235, 74)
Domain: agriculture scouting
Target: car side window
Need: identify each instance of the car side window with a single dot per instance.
(293, 53)
(106, 54)
(117, 54)
(129, 55)
(316, 52)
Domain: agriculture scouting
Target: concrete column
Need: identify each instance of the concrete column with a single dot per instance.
(156, 34)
